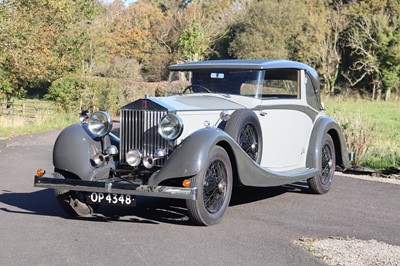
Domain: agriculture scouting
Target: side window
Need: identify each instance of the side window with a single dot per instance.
(312, 95)
(281, 83)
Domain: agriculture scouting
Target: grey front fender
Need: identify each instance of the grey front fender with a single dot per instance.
(191, 155)
(74, 149)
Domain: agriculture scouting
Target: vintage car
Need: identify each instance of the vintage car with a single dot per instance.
(228, 123)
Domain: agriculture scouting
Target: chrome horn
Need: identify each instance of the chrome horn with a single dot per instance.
(100, 158)
(149, 161)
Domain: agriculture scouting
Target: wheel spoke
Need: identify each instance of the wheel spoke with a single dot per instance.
(213, 196)
(248, 141)
(325, 175)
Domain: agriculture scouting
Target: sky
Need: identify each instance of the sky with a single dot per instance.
(127, 2)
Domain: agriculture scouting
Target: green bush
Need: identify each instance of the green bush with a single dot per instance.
(75, 93)
(120, 68)
(66, 92)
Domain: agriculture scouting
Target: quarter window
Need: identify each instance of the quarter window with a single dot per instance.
(282, 83)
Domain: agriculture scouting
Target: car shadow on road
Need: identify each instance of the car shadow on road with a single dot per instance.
(40, 202)
(148, 210)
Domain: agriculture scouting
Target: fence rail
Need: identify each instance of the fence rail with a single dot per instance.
(26, 110)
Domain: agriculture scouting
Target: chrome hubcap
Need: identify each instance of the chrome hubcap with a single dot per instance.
(222, 187)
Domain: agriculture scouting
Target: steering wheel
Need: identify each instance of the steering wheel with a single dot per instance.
(194, 88)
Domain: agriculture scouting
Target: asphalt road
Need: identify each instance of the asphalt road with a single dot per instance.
(259, 227)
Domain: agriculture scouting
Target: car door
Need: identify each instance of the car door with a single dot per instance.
(285, 124)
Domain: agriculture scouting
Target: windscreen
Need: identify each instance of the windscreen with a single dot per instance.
(225, 81)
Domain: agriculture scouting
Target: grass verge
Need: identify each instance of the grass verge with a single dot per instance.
(13, 126)
(43, 117)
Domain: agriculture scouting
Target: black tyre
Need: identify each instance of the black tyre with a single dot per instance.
(72, 202)
(244, 127)
(322, 183)
(214, 184)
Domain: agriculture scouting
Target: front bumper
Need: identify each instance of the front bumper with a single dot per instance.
(116, 187)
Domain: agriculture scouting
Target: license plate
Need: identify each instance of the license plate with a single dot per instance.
(111, 199)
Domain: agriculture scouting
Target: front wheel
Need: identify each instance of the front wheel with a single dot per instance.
(214, 184)
(72, 202)
(321, 183)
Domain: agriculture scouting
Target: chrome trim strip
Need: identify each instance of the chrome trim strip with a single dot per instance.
(116, 187)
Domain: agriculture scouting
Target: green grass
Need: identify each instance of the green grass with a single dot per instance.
(373, 125)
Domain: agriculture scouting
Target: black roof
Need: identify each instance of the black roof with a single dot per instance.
(246, 64)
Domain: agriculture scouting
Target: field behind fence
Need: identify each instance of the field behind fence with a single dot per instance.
(30, 116)
(28, 111)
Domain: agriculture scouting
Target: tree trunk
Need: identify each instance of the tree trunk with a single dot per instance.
(387, 94)
(378, 97)
(373, 92)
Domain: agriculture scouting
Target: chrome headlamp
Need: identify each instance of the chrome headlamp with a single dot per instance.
(100, 124)
(171, 127)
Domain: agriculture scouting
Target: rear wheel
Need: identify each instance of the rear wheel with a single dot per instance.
(72, 202)
(321, 183)
(214, 184)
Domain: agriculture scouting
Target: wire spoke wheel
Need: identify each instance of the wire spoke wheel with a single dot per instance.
(214, 189)
(326, 172)
(322, 182)
(214, 192)
(244, 127)
(248, 140)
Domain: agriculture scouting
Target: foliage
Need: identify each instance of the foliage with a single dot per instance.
(121, 68)
(259, 33)
(333, 22)
(354, 42)
(356, 132)
(374, 40)
(192, 43)
(67, 93)
(75, 93)
(41, 40)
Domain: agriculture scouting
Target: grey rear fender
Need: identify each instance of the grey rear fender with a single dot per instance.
(74, 150)
(325, 125)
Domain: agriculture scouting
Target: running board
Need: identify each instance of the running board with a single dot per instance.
(265, 177)
(298, 172)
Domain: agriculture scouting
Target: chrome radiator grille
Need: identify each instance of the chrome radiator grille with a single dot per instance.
(139, 130)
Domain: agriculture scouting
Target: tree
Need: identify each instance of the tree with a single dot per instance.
(133, 34)
(374, 40)
(321, 40)
(266, 29)
(42, 40)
